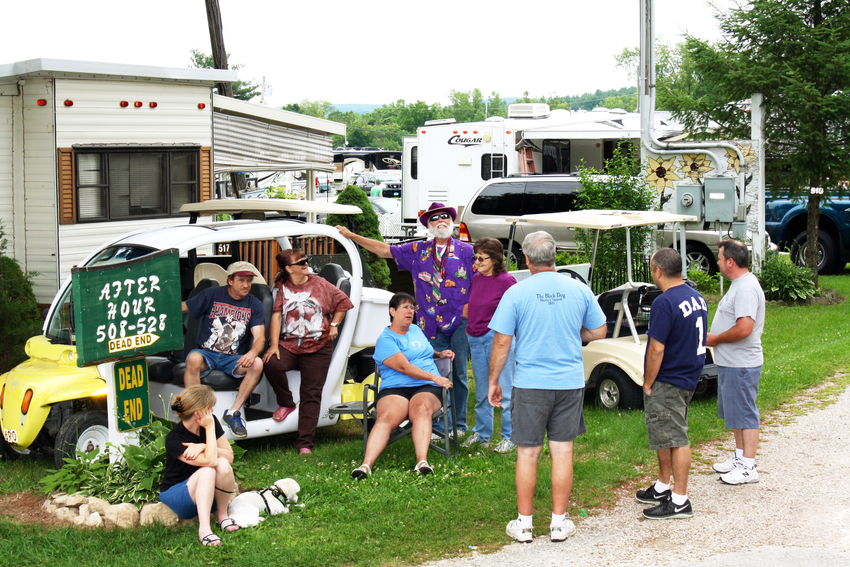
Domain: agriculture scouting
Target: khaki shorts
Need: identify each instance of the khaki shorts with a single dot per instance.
(666, 416)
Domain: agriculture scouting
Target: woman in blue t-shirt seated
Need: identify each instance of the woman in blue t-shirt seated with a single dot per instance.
(410, 385)
(197, 479)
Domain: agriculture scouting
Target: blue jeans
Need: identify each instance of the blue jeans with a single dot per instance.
(480, 348)
(457, 343)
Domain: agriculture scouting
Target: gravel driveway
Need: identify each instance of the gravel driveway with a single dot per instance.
(798, 514)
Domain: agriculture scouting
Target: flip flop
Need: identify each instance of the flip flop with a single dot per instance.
(210, 540)
(282, 413)
(361, 472)
(229, 523)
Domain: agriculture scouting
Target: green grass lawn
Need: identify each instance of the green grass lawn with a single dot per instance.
(398, 518)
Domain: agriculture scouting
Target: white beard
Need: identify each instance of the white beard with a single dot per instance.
(441, 233)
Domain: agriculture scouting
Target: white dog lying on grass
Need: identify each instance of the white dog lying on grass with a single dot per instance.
(246, 508)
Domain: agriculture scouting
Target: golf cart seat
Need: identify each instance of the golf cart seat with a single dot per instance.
(639, 304)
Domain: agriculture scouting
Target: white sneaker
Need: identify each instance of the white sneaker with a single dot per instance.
(522, 535)
(729, 465)
(740, 475)
(505, 446)
(562, 532)
(472, 440)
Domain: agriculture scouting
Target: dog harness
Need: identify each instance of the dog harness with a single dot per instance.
(276, 493)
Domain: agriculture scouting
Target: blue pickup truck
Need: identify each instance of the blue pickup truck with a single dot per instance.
(785, 221)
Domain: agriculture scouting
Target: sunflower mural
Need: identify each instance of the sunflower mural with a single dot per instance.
(749, 157)
(694, 166)
(661, 173)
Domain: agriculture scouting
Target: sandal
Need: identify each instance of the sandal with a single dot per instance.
(361, 472)
(282, 413)
(423, 468)
(229, 523)
(210, 540)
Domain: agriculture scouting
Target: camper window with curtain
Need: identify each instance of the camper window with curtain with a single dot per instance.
(123, 184)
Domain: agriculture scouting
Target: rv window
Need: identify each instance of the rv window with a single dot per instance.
(492, 165)
(122, 184)
(556, 156)
(549, 197)
(500, 199)
(414, 162)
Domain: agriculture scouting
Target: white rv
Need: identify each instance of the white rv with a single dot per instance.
(448, 161)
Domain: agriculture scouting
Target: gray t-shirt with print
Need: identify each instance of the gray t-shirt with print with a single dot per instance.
(745, 298)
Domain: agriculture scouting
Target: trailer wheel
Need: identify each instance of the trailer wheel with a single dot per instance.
(615, 389)
(86, 432)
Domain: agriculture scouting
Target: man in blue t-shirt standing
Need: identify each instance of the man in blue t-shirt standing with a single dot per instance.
(227, 314)
(675, 356)
(550, 315)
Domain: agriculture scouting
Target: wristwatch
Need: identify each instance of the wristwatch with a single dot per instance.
(334, 324)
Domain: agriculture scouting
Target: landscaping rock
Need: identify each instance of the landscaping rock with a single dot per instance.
(64, 514)
(84, 510)
(93, 520)
(98, 505)
(121, 516)
(73, 500)
(158, 513)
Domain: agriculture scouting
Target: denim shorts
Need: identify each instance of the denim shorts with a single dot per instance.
(737, 389)
(218, 361)
(178, 499)
(537, 412)
(666, 416)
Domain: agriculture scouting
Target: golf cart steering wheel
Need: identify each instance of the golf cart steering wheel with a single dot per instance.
(573, 274)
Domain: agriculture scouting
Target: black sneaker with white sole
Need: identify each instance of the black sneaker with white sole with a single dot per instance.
(669, 511)
(652, 496)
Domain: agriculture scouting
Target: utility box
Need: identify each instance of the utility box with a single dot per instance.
(719, 199)
(689, 200)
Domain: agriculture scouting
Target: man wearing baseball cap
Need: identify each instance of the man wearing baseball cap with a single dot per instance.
(226, 314)
(442, 273)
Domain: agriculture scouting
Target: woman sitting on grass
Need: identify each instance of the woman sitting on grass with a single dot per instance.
(198, 479)
(410, 385)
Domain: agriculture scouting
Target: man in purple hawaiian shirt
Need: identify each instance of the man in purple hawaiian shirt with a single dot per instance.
(442, 274)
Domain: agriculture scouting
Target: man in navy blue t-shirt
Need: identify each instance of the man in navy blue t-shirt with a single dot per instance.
(675, 355)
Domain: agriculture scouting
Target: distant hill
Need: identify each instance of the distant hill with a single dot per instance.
(357, 108)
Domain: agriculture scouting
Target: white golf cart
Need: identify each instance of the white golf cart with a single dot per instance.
(48, 402)
(614, 365)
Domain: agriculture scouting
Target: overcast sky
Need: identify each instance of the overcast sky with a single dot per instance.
(367, 51)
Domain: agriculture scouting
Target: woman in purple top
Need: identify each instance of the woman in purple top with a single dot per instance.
(488, 285)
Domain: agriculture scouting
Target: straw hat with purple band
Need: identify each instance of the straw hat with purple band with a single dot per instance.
(242, 269)
(434, 209)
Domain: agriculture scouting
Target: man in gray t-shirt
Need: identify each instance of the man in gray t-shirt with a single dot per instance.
(736, 337)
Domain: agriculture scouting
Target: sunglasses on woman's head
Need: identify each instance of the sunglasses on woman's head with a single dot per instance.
(440, 216)
(303, 262)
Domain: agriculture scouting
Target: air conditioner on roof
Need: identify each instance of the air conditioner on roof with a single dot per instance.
(528, 110)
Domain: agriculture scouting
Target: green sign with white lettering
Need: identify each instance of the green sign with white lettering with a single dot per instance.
(132, 394)
(127, 309)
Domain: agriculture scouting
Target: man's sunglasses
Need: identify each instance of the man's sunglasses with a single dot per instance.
(440, 216)
(303, 262)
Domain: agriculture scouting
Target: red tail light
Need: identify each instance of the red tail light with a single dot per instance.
(2, 395)
(463, 233)
(25, 405)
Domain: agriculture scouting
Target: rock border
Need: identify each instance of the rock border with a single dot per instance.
(93, 512)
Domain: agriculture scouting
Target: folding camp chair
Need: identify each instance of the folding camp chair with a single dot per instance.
(366, 412)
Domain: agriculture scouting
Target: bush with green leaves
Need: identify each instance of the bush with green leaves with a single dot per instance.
(135, 479)
(781, 279)
(18, 309)
(365, 224)
(565, 258)
(705, 283)
(620, 188)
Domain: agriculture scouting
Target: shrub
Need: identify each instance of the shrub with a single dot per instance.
(622, 189)
(704, 282)
(781, 279)
(365, 224)
(18, 309)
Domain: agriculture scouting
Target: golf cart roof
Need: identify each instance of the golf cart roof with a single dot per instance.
(603, 220)
(240, 206)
